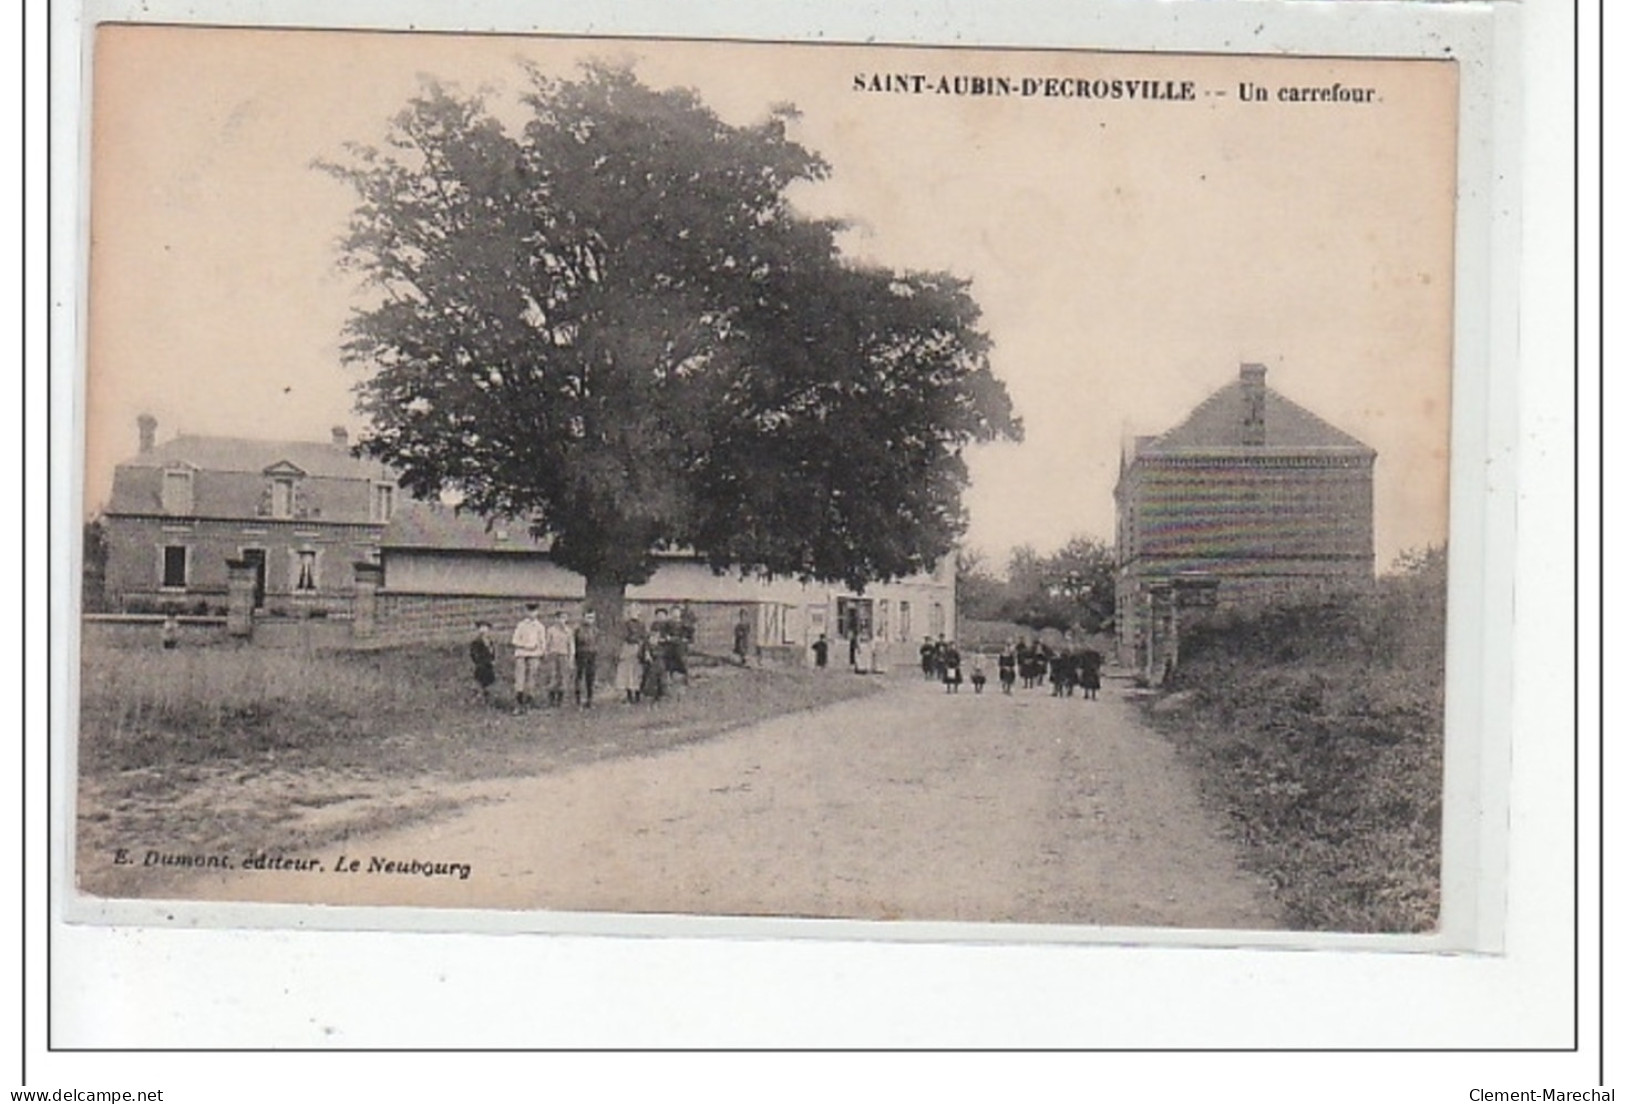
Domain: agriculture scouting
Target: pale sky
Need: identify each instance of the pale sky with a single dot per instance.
(1128, 256)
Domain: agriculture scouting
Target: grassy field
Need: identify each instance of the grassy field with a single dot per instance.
(1318, 729)
(235, 747)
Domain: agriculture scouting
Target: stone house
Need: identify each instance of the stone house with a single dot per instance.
(1250, 498)
(299, 513)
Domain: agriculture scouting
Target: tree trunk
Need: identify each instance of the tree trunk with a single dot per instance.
(607, 601)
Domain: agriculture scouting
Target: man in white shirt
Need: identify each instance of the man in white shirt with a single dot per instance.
(559, 658)
(529, 642)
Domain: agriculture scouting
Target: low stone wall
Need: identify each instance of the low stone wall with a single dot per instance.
(444, 618)
(131, 630)
(406, 618)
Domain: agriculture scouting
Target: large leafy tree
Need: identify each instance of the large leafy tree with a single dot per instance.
(1073, 587)
(610, 322)
(981, 594)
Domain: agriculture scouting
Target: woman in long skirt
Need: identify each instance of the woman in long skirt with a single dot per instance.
(629, 660)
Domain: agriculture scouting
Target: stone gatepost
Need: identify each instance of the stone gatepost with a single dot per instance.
(1162, 632)
(369, 577)
(241, 579)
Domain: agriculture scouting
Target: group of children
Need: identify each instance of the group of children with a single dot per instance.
(558, 658)
(1068, 668)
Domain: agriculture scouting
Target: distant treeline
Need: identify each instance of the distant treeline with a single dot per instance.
(1075, 587)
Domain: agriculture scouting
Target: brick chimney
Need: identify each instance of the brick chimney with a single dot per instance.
(1252, 404)
(148, 427)
(341, 438)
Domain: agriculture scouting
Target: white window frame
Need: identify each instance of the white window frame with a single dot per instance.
(382, 507)
(295, 558)
(186, 568)
(280, 482)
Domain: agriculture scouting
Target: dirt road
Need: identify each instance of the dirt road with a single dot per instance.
(912, 804)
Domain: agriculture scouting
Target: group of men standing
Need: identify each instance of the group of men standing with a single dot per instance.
(555, 658)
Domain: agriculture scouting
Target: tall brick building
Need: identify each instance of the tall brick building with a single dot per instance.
(1251, 497)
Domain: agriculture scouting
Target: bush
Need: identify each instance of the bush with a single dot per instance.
(1318, 727)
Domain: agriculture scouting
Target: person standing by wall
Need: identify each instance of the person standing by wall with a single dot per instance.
(560, 656)
(529, 642)
(742, 638)
(688, 630)
(629, 660)
(485, 660)
(586, 652)
(655, 653)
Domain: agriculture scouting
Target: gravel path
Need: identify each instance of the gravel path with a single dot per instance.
(912, 804)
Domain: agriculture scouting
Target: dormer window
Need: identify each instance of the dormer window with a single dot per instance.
(383, 501)
(282, 498)
(177, 491)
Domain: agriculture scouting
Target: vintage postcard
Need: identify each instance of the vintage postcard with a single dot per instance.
(556, 476)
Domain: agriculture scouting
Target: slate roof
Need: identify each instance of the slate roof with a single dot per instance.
(433, 526)
(321, 459)
(445, 528)
(1215, 426)
(231, 477)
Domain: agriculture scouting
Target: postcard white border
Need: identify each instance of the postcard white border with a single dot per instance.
(1486, 410)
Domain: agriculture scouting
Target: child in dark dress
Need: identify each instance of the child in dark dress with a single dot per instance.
(485, 659)
(1061, 673)
(978, 677)
(948, 661)
(1089, 664)
(1041, 661)
(653, 687)
(1007, 667)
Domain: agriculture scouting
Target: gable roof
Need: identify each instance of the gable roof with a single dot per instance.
(1216, 422)
(321, 459)
(435, 527)
(426, 525)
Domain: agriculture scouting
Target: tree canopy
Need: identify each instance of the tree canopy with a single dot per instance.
(1073, 587)
(612, 323)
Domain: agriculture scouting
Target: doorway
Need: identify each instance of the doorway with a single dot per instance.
(256, 557)
(855, 615)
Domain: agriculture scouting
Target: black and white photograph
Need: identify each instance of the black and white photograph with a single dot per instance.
(758, 479)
